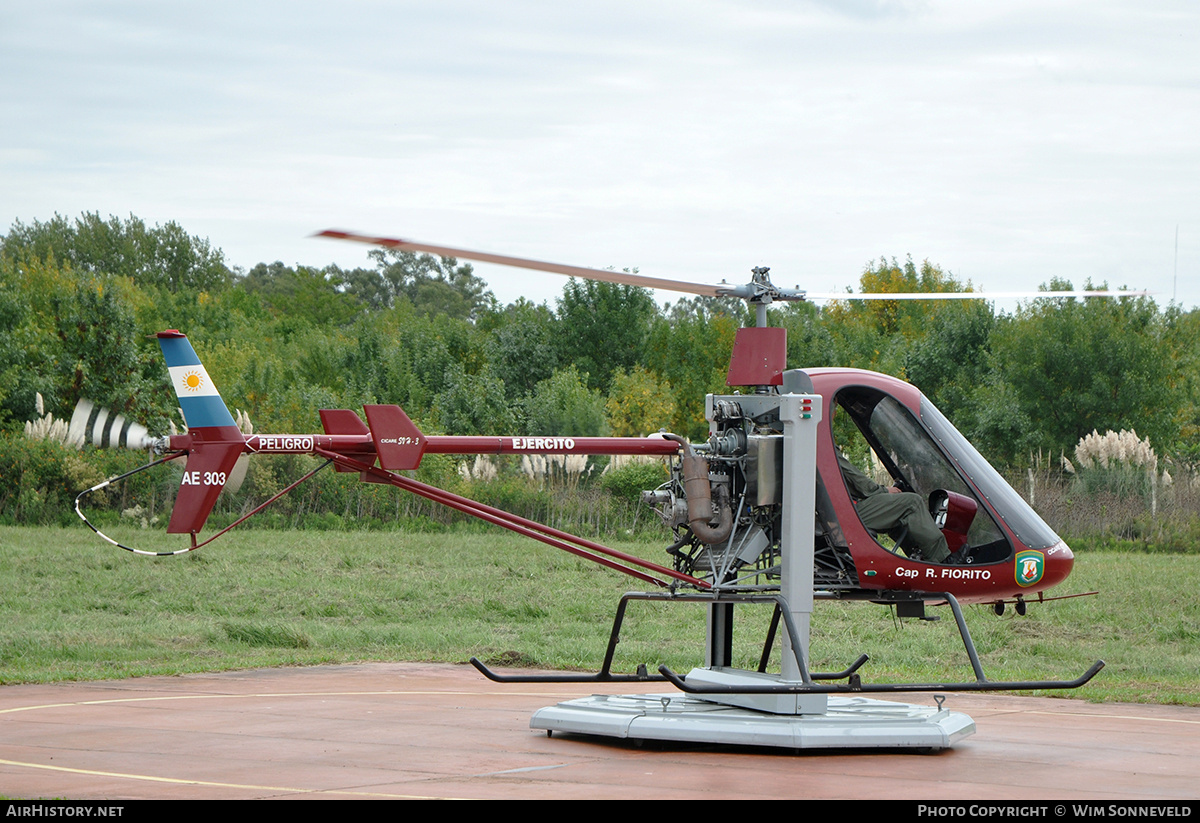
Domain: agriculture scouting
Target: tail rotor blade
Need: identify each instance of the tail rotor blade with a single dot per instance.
(237, 475)
(100, 427)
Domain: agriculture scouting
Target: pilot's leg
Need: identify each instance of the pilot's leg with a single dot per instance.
(885, 512)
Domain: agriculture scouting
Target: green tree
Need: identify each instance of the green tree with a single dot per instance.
(70, 335)
(639, 403)
(302, 295)
(692, 354)
(435, 285)
(995, 420)
(564, 405)
(1186, 448)
(523, 351)
(1080, 364)
(809, 339)
(367, 287)
(907, 317)
(953, 356)
(474, 403)
(223, 315)
(878, 334)
(431, 347)
(162, 257)
(18, 350)
(603, 327)
(701, 306)
(103, 356)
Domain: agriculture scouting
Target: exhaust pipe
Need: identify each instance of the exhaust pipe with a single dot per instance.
(698, 490)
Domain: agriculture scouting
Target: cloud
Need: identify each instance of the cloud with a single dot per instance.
(1007, 143)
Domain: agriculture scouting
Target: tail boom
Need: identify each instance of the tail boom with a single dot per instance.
(214, 442)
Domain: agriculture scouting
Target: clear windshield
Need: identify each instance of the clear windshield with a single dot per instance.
(908, 457)
(1025, 523)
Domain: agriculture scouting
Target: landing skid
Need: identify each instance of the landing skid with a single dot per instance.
(810, 682)
(728, 706)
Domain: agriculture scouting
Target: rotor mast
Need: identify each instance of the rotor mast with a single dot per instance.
(760, 293)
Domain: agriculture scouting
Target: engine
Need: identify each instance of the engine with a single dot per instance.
(724, 499)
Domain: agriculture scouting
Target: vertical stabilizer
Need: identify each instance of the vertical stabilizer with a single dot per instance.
(216, 441)
(199, 399)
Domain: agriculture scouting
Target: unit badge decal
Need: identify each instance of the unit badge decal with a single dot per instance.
(1030, 567)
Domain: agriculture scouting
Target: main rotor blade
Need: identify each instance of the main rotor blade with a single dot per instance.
(969, 295)
(624, 278)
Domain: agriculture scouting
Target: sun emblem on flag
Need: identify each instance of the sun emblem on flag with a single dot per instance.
(193, 380)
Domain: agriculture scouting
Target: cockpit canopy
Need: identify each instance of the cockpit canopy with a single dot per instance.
(923, 453)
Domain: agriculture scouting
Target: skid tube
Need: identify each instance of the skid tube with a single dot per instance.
(808, 684)
(605, 674)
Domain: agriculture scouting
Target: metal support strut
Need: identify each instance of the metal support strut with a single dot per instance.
(810, 682)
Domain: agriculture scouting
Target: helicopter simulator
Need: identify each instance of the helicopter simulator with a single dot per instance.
(767, 511)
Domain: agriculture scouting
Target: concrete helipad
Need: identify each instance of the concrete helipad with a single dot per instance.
(442, 731)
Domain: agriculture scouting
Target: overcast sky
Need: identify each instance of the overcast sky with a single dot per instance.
(1008, 142)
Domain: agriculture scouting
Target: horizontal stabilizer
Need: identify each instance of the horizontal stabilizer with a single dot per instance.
(344, 421)
(398, 441)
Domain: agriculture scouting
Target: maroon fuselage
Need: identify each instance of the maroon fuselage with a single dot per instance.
(1028, 559)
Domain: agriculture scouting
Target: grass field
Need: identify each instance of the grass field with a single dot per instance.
(74, 608)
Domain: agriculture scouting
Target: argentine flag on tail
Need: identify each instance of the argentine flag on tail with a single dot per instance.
(199, 399)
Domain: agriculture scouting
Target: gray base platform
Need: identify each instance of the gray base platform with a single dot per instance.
(849, 722)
